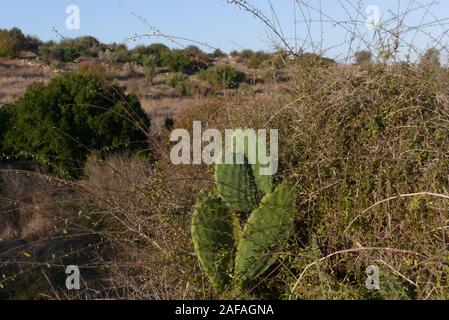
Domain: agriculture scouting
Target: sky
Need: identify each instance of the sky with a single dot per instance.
(216, 22)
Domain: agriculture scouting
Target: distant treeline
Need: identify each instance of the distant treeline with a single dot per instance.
(187, 60)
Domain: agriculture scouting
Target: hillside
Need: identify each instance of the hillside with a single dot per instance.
(176, 173)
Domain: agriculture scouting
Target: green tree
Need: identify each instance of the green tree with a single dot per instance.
(223, 75)
(11, 42)
(59, 124)
(218, 53)
(177, 60)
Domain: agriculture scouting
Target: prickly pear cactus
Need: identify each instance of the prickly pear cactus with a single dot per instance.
(263, 182)
(265, 234)
(229, 257)
(239, 185)
(214, 233)
(236, 186)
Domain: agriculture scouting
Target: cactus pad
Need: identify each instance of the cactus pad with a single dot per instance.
(265, 234)
(214, 233)
(236, 186)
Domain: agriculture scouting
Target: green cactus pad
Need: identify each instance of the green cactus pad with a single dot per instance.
(268, 229)
(263, 182)
(214, 233)
(236, 186)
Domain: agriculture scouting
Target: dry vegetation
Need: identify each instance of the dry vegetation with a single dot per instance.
(365, 145)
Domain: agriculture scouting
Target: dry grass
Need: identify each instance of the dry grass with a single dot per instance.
(17, 75)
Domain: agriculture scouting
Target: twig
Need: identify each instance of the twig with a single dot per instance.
(408, 195)
(350, 251)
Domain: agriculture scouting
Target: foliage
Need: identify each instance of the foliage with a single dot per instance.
(179, 81)
(150, 64)
(362, 57)
(223, 76)
(177, 60)
(11, 42)
(431, 58)
(218, 53)
(258, 59)
(68, 50)
(59, 124)
(187, 61)
(5, 117)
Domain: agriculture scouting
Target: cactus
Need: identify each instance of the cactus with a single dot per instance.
(265, 234)
(263, 182)
(214, 233)
(237, 186)
(229, 257)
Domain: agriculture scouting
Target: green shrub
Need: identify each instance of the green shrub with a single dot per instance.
(5, 116)
(157, 49)
(218, 54)
(223, 75)
(32, 43)
(431, 58)
(179, 81)
(187, 61)
(59, 124)
(258, 59)
(150, 64)
(177, 60)
(246, 54)
(70, 49)
(63, 52)
(11, 42)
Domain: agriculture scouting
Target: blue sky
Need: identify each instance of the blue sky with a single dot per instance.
(214, 21)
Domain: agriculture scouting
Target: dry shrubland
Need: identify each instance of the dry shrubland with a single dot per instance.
(365, 144)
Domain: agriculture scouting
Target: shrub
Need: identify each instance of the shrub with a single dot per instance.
(157, 49)
(431, 58)
(218, 54)
(92, 68)
(11, 42)
(177, 60)
(32, 44)
(258, 59)
(120, 53)
(178, 81)
(59, 124)
(63, 52)
(5, 116)
(69, 50)
(223, 75)
(355, 139)
(362, 57)
(246, 54)
(150, 64)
